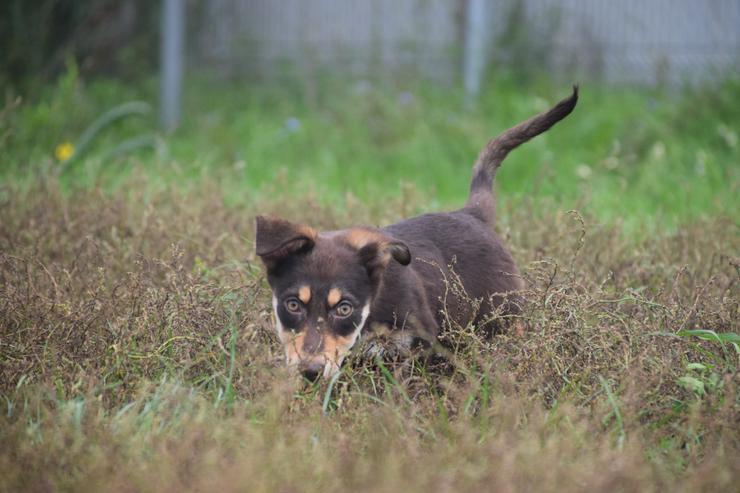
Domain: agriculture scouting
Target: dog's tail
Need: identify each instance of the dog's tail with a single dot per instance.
(490, 158)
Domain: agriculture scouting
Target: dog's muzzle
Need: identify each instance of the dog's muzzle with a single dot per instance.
(311, 370)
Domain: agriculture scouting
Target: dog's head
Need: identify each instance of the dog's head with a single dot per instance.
(323, 286)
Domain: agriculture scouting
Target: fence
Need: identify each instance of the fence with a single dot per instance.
(643, 41)
(263, 37)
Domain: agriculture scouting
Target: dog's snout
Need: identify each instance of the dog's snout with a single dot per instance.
(311, 375)
(312, 341)
(312, 370)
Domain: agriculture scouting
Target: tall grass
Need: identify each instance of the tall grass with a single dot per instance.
(136, 345)
(137, 353)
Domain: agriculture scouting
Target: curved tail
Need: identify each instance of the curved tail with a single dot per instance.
(491, 157)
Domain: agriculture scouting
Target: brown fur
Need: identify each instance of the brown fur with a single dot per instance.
(335, 295)
(294, 348)
(304, 294)
(402, 272)
(359, 237)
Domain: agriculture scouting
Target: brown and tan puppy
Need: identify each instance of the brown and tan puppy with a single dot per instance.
(329, 287)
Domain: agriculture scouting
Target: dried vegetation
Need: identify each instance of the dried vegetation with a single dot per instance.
(136, 354)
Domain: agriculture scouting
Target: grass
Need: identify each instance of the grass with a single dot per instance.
(136, 345)
(633, 155)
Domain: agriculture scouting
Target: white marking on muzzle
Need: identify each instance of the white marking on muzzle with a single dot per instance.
(279, 326)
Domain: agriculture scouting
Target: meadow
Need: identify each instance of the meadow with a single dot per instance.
(136, 346)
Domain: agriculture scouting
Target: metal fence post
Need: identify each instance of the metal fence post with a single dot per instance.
(170, 88)
(474, 54)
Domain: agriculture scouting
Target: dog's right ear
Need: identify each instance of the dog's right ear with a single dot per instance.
(277, 239)
(376, 250)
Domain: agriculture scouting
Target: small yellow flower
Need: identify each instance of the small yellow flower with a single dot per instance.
(64, 151)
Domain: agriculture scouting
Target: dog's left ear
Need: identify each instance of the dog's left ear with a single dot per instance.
(376, 251)
(277, 239)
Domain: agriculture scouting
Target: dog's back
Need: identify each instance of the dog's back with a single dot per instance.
(461, 246)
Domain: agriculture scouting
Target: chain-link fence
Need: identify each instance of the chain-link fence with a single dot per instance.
(644, 41)
(640, 41)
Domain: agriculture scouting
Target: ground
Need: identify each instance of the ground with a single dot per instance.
(136, 348)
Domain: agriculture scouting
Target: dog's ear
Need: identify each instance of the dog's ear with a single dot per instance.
(277, 239)
(376, 250)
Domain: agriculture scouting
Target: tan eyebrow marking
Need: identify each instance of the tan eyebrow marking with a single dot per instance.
(304, 294)
(335, 295)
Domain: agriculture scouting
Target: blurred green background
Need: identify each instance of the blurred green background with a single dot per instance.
(660, 150)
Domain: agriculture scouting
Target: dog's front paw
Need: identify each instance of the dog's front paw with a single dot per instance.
(387, 345)
(373, 349)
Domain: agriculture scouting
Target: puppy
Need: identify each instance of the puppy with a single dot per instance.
(329, 287)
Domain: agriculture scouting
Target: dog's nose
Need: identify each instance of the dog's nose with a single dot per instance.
(312, 371)
(311, 375)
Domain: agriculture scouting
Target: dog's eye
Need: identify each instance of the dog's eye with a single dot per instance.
(344, 309)
(293, 305)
